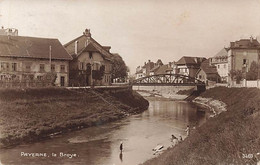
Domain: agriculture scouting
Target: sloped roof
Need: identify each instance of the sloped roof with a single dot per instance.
(222, 53)
(32, 47)
(189, 60)
(104, 50)
(91, 48)
(245, 43)
(149, 65)
(161, 69)
(208, 69)
(155, 69)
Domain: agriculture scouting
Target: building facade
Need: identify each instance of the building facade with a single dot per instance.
(189, 66)
(220, 60)
(30, 62)
(91, 64)
(241, 55)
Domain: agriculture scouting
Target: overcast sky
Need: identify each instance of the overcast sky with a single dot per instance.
(139, 29)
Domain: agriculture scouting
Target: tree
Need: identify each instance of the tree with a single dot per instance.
(119, 68)
(236, 75)
(252, 74)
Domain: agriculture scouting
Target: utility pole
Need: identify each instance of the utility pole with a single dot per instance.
(50, 54)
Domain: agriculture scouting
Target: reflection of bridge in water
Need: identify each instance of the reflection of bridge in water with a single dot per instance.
(168, 80)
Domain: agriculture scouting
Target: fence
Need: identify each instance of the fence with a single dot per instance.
(22, 84)
(246, 83)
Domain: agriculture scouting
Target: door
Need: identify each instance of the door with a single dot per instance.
(62, 81)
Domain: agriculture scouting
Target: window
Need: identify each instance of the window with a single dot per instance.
(27, 68)
(62, 68)
(53, 67)
(39, 77)
(14, 66)
(225, 66)
(7, 66)
(218, 66)
(42, 67)
(244, 61)
(90, 55)
(2, 66)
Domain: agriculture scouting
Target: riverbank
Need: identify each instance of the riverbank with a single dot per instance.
(232, 137)
(34, 114)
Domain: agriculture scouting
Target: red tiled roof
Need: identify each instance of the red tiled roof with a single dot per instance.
(32, 47)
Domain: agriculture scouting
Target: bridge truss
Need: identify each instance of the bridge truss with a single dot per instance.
(168, 79)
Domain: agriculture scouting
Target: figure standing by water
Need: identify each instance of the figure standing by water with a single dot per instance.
(188, 130)
(121, 147)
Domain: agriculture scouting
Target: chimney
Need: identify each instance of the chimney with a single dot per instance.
(196, 59)
(76, 47)
(87, 33)
(149, 61)
(251, 39)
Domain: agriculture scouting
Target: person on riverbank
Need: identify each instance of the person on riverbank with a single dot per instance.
(174, 140)
(188, 130)
(180, 139)
(121, 147)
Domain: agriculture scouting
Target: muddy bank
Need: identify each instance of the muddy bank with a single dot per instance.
(35, 114)
(170, 95)
(228, 138)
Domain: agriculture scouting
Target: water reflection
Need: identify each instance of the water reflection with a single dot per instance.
(100, 145)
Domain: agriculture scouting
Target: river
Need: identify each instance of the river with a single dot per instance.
(100, 145)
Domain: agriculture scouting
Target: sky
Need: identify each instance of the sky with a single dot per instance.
(139, 30)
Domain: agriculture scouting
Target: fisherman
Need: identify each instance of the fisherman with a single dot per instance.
(121, 147)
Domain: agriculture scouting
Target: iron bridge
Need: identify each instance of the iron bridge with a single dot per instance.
(168, 80)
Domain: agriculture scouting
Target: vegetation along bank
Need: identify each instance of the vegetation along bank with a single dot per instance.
(28, 115)
(231, 137)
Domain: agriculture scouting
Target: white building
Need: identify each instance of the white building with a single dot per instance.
(220, 60)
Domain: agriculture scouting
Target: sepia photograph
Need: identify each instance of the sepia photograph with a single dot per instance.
(129, 82)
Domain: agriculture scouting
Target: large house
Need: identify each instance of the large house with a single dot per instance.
(241, 55)
(91, 64)
(220, 60)
(31, 61)
(189, 66)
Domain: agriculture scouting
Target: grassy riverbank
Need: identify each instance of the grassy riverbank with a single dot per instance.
(228, 138)
(33, 114)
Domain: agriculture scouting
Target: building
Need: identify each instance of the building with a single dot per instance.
(208, 73)
(31, 61)
(242, 53)
(8, 31)
(220, 60)
(162, 69)
(149, 68)
(189, 66)
(91, 64)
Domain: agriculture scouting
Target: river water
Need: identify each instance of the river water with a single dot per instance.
(100, 145)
